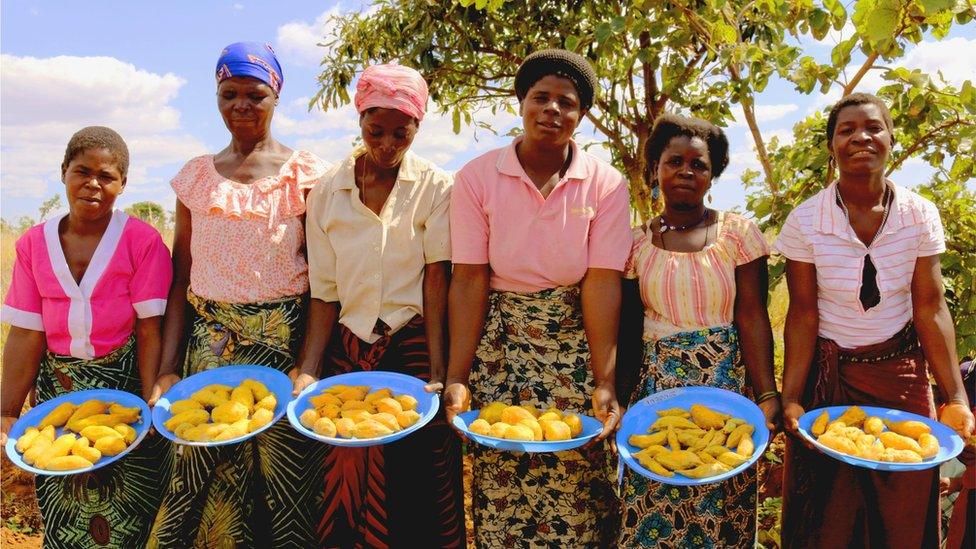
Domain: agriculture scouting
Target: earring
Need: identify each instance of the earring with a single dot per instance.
(709, 197)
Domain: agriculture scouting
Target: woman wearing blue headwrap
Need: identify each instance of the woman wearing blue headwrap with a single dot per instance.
(241, 274)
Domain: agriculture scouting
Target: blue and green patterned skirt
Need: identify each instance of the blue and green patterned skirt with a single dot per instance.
(112, 506)
(714, 515)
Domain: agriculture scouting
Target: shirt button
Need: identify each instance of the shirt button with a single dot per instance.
(376, 248)
(376, 275)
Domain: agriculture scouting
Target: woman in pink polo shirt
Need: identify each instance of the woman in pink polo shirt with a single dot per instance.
(85, 306)
(867, 322)
(540, 234)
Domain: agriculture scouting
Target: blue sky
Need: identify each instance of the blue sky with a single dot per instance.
(146, 69)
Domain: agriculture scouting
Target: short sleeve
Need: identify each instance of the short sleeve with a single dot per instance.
(791, 242)
(321, 254)
(750, 243)
(186, 183)
(932, 237)
(152, 277)
(610, 238)
(468, 223)
(22, 307)
(437, 228)
(640, 237)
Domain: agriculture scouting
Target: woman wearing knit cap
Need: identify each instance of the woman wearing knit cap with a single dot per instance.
(540, 235)
(378, 248)
(240, 273)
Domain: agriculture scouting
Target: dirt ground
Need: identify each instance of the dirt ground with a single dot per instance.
(20, 519)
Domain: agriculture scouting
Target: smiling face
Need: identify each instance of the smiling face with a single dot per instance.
(246, 105)
(92, 181)
(551, 111)
(684, 172)
(387, 134)
(861, 140)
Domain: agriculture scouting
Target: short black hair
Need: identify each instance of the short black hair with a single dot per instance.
(97, 137)
(669, 126)
(572, 66)
(858, 99)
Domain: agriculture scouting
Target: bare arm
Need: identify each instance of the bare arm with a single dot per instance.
(467, 304)
(175, 319)
(148, 344)
(319, 324)
(436, 284)
(600, 298)
(800, 334)
(756, 336)
(21, 362)
(937, 336)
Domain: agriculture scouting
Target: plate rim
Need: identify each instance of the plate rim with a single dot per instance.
(165, 401)
(871, 464)
(11, 446)
(530, 446)
(623, 447)
(293, 414)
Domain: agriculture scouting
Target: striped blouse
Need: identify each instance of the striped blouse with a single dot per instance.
(818, 232)
(685, 291)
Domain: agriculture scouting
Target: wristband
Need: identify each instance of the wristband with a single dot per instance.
(763, 397)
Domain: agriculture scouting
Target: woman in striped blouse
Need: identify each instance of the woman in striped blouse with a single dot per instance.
(702, 279)
(866, 322)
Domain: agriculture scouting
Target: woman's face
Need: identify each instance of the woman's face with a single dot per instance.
(246, 105)
(861, 140)
(551, 111)
(92, 181)
(387, 134)
(684, 172)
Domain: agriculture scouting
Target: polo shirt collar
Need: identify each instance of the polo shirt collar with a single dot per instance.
(508, 162)
(831, 218)
(410, 170)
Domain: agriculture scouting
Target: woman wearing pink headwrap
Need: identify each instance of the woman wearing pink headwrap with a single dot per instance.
(379, 253)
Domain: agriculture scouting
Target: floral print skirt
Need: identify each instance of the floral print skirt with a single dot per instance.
(713, 515)
(534, 352)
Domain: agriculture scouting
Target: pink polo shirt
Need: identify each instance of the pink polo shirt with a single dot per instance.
(818, 232)
(128, 276)
(499, 217)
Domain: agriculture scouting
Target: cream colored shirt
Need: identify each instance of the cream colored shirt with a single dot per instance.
(374, 265)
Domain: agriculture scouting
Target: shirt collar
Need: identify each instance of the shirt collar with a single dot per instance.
(410, 170)
(831, 218)
(508, 162)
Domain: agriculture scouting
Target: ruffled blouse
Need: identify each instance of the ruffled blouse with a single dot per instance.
(685, 291)
(247, 239)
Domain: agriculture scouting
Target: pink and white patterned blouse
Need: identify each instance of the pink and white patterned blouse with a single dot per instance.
(128, 276)
(247, 240)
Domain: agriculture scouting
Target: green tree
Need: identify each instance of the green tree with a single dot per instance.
(701, 56)
(50, 205)
(151, 213)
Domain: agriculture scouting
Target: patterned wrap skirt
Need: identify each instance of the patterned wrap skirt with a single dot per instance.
(534, 352)
(404, 494)
(112, 506)
(827, 503)
(263, 492)
(713, 515)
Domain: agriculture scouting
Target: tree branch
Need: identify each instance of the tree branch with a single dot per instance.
(868, 64)
(923, 141)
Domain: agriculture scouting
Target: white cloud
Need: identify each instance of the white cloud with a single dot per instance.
(764, 113)
(48, 99)
(296, 119)
(955, 58)
(299, 40)
(238, 7)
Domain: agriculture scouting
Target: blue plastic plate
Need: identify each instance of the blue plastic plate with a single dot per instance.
(36, 414)
(232, 375)
(950, 444)
(641, 415)
(400, 384)
(591, 428)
